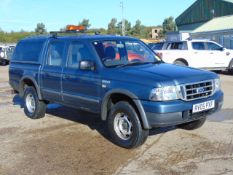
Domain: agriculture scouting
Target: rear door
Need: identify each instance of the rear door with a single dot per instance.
(51, 72)
(174, 50)
(80, 88)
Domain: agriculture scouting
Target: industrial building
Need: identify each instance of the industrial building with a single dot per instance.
(209, 19)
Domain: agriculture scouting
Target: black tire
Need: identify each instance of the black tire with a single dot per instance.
(39, 106)
(193, 125)
(230, 69)
(4, 62)
(180, 63)
(138, 134)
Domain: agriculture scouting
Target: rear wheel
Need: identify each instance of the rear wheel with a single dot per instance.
(180, 63)
(125, 127)
(193, 125)
(33, 107)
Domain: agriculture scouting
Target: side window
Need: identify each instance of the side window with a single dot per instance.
(55, 53)
(213, 46)
(177, 46)
(198, 45)
(28, 51)
(77, 52)
(158, 46)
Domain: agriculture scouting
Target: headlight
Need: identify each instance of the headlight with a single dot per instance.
(217, 85)
(165, 93)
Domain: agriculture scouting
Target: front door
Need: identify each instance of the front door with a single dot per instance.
(218, 54)
(80, 88)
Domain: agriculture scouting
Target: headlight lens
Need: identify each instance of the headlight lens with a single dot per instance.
(217, 85)
(165, 93)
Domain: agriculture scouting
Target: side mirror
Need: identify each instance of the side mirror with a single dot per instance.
(222, 49)
(87, 65)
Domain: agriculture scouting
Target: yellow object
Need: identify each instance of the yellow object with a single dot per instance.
(75, 28)
(150, 40)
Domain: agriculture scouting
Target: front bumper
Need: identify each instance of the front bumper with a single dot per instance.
(161, 114)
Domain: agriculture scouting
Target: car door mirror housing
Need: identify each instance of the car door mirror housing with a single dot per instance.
(87, 65)
(222, 49)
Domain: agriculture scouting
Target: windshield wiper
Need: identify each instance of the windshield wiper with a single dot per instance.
(138, 63)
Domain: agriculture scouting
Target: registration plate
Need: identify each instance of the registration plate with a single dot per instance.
(203, 106)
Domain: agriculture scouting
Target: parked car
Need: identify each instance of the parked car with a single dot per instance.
(6, 53)
(203, 54)
(97, 73)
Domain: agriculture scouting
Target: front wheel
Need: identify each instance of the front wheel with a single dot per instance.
(193, 125)
(125, 127)
(230, 70)
(33, 107)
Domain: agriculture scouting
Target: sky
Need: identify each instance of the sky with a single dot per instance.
(16, 15)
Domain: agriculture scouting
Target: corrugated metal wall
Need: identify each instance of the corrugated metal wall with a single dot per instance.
(200, 11)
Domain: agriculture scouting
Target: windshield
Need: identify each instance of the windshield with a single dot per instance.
(117, 53)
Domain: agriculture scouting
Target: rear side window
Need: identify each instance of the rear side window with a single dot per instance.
(177, 46)
(28, 51)
(198, 45)
(55, 53)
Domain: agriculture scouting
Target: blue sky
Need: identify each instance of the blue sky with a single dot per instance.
(55, 14)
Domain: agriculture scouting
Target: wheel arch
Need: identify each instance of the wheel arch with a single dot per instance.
(117, 95)
(183, 60)
(30, 81)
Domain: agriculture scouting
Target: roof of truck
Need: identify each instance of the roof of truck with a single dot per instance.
(82, 36)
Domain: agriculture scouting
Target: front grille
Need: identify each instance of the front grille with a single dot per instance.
(198, 90)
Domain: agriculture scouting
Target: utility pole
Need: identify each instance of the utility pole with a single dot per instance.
(123, 20)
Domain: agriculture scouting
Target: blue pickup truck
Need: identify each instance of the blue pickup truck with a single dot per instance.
(119, 78)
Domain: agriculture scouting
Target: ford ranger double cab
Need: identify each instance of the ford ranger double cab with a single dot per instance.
(197, 53)
(118, 78)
